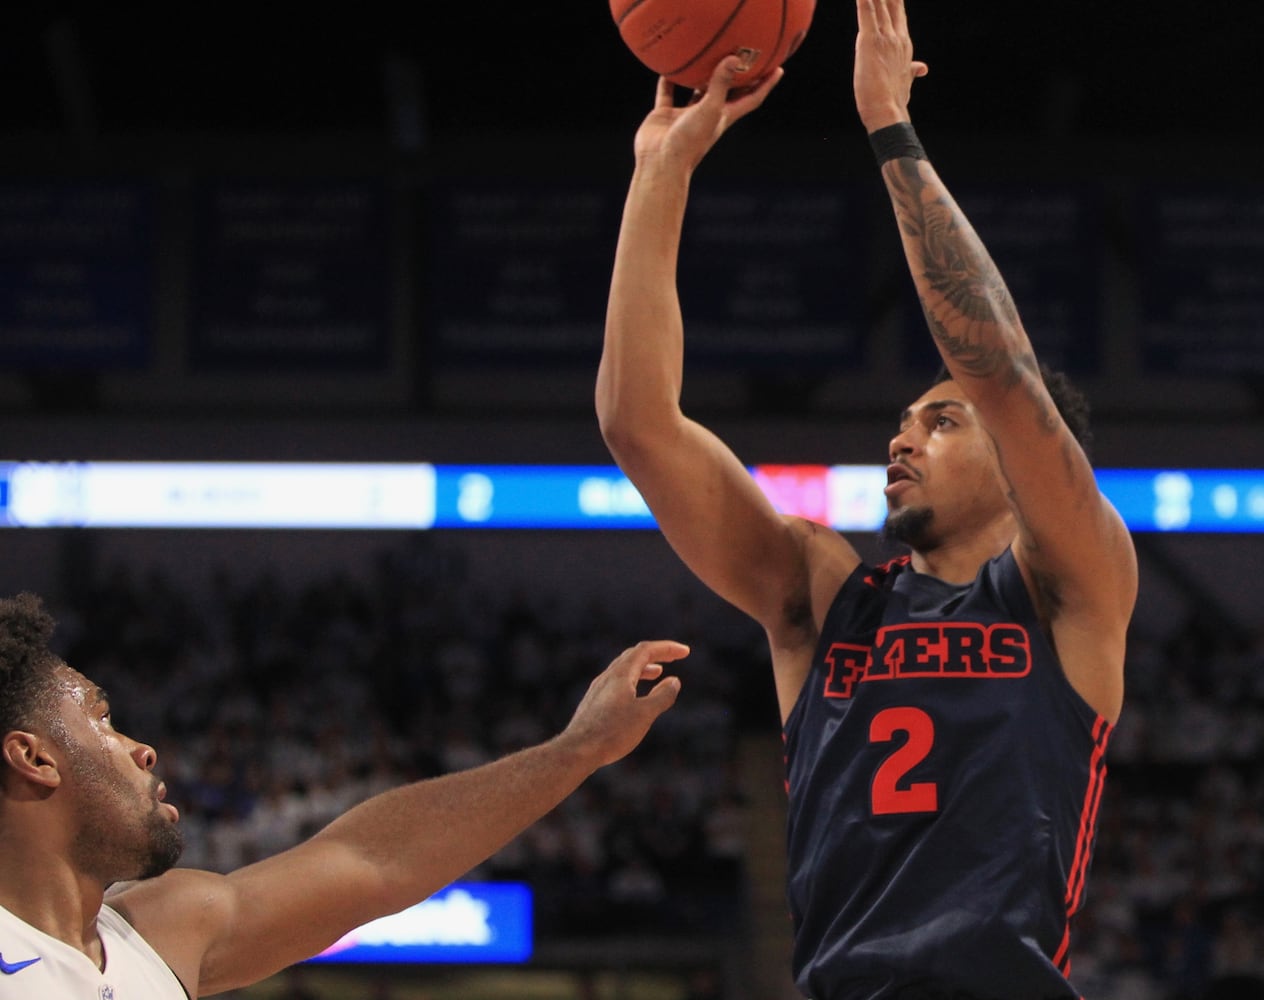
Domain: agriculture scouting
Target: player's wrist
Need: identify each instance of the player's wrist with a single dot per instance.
(661, 169)
(880, 111)
(897, 140)
(577, 751)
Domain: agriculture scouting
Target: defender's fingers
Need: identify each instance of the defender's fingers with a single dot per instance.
(644, 660)
(651, 650)
(663, 695)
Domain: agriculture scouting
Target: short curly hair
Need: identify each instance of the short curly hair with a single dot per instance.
(1072, 404)
(27, 684)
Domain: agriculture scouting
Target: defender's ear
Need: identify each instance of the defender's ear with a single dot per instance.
(31, 758)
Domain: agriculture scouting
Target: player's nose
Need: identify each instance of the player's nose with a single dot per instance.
(904, 443)
(146, 757)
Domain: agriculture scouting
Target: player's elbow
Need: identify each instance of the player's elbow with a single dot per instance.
(629, 422)
(635, 434)
(619, 432)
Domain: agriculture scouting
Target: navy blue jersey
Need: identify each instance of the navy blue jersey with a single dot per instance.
(944, 779)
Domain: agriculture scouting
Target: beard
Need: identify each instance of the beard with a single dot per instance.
(143, 843)
(166, 844)
(910, 526)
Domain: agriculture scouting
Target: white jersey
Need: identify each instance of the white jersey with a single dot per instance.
(35, 966)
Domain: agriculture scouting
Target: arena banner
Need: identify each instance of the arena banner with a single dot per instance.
(772, 276)
(520, 273)
(76, 275)
(1200, 280)
(516, 271)
(290, 275)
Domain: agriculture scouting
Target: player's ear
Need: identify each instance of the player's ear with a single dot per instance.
(29, 757)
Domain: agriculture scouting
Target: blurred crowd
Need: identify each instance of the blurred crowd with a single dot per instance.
(275, 706)
(1176, 898)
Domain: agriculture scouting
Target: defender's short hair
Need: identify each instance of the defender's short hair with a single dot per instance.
(26, 662)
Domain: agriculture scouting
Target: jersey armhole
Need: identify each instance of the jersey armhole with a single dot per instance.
(124, 926)
(859, 577)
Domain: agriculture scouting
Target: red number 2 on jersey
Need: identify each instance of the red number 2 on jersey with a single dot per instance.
(919, 736)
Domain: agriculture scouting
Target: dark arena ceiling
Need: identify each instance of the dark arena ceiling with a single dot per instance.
(1122, 67)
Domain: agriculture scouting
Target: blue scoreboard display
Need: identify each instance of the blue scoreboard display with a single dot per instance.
(421, 496)
(484, 922)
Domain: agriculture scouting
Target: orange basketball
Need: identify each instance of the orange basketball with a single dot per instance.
(684, 39)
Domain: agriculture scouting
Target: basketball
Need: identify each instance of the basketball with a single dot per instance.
(684, 39)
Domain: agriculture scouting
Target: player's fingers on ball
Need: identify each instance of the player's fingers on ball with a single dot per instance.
(665, 95)
(722, 77)
(762, 89)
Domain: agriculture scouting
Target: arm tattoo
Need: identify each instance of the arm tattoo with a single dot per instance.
(967, 306)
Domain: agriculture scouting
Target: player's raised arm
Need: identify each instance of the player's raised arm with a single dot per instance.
(1073, 548)
(220, 932)
(702, 496)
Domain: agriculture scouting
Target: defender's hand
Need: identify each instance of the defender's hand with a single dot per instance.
(612, 718)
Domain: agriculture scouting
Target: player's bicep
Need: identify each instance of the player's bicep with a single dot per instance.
(717, 519)
(1071, 541)
(1086, 566)
(285, 909)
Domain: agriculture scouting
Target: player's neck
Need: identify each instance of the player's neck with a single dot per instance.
(44, 889)
(958, 559)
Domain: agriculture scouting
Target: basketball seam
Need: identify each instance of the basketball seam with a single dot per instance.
(630, 8)
(781, 32)
(706, 48)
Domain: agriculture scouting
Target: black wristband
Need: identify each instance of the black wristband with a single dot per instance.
(896, 141)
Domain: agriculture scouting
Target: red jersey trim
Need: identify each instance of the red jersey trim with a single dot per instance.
(1084, 841)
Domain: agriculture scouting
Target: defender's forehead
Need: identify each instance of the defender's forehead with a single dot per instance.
(75, 686)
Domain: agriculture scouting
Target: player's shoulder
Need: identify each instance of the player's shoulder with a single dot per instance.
(821, 538)
(180, 896)
(179, 914)
(825, 551)
(829, 559)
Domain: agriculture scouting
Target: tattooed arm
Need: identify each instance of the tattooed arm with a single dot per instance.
(1073, 548)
